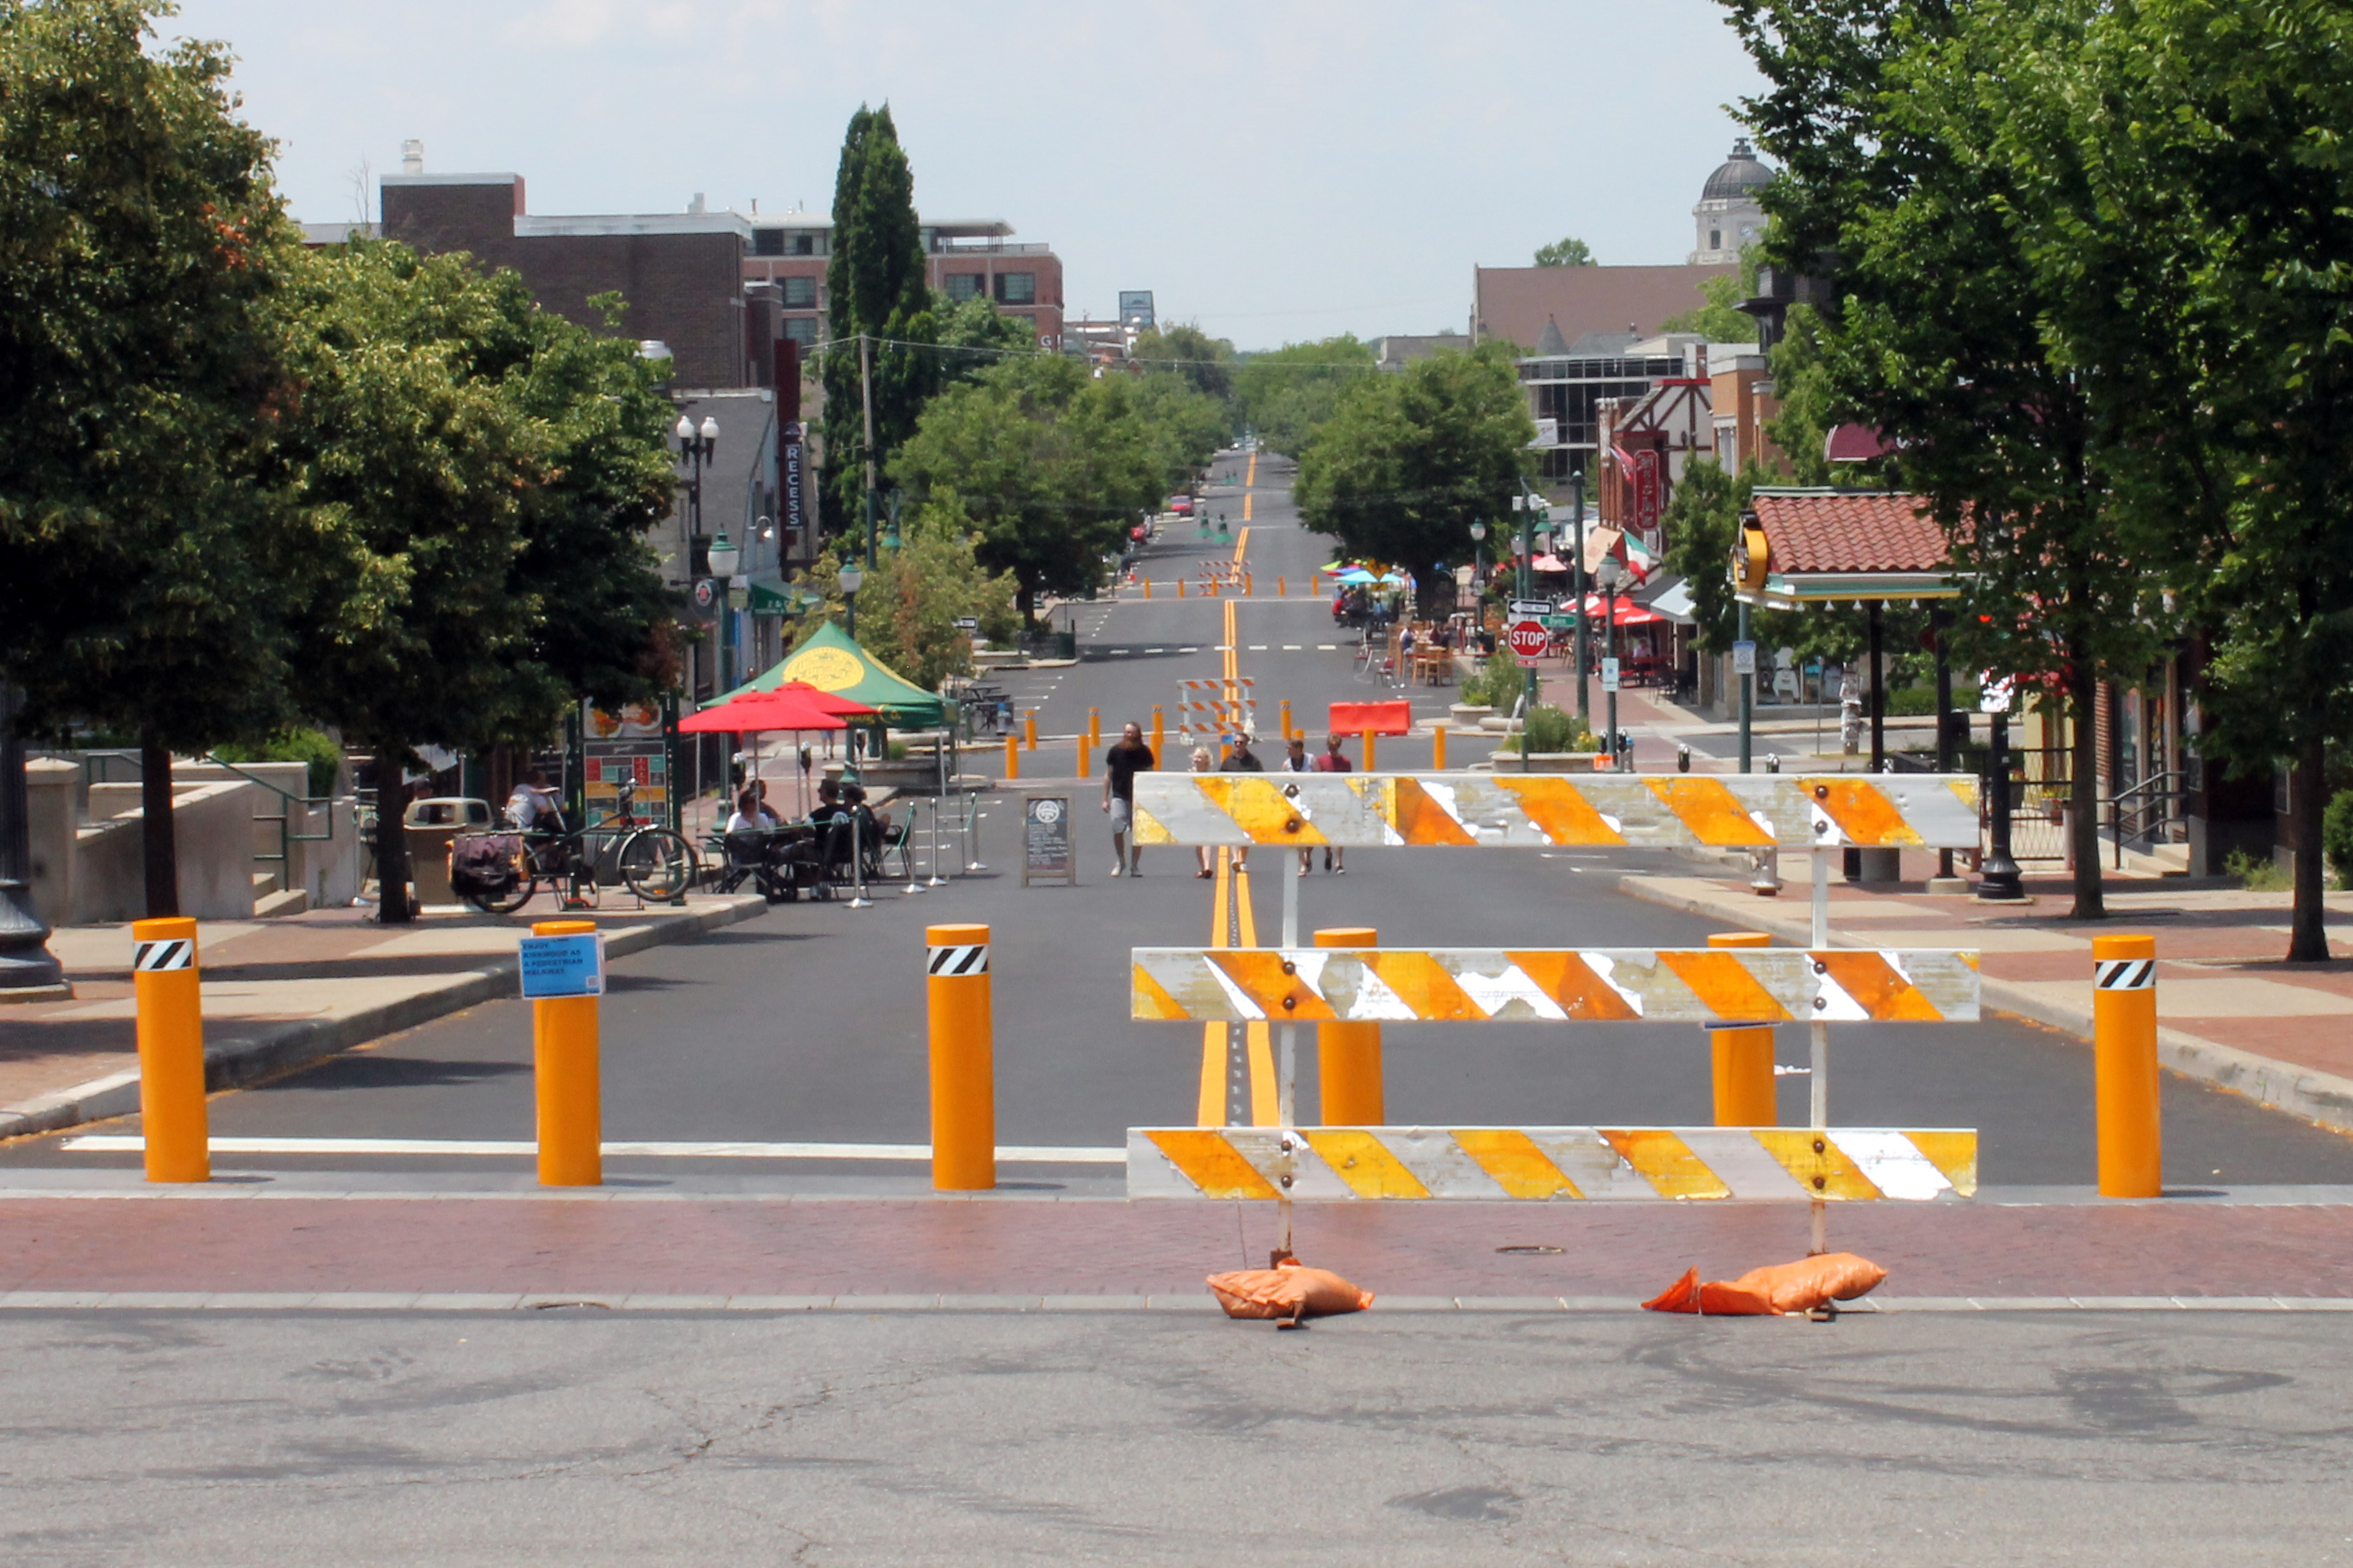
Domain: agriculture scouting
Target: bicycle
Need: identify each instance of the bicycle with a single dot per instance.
(499, 872)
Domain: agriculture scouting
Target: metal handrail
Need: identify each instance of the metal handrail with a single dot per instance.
(2116, 804)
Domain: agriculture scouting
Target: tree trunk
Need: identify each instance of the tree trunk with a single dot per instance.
(2307, 939)
(391, 839)
(158, 847)
(2083, 790)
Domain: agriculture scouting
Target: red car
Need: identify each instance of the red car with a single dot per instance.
(1183, 505)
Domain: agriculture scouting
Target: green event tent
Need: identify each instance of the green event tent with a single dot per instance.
(831, 662)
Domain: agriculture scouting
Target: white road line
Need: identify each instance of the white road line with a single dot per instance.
(132, 1143)
(1327, 648)
(1291, 648)
(1155, 650)
(1256, 647)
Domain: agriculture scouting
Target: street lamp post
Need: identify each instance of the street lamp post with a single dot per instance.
(697, 445)
(1609, 573)
(724, 558)
(1478, 562)
(2002, 881)
(1577, 513)
(28, 968)
(850, 579)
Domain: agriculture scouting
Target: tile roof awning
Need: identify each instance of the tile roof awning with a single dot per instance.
(1822, 546)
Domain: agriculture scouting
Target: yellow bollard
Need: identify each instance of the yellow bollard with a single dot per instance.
(1743, 1057)
(164, 979)
(963, 1059)
(1012, 758)
(1180, 587)
(1029, 730)
(1249, 587)
(1155, 735)
(1147, 587)
(1282, 587)
(1094, 728)
(565, 1071)
(1082, 757)
(1348, 1056)
(1286, 721)
(1437, 748)
(2124, 1057)
(1368, 750)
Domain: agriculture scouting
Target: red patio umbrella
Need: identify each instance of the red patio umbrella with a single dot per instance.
(757, 712)
(831, 702)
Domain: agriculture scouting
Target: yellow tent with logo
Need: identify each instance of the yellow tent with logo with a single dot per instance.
(831, 662)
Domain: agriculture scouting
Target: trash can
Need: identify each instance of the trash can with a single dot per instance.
(430, 824)
(1066, 644)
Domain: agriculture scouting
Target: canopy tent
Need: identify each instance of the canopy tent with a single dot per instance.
(847, 707)
(837, 667)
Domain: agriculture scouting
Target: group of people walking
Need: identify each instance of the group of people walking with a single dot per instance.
(1130, 756)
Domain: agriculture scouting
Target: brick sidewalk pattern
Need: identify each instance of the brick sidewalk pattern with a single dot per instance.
(604, 1245)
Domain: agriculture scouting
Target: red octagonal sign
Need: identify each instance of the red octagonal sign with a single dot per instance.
(1527, 638)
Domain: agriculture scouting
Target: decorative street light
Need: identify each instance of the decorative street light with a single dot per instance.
(724, 557)
(850, 579)
(1608, 574)
(2000, 881)
(1479, 551)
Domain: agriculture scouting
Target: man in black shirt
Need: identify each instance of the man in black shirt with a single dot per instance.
(1121, 762)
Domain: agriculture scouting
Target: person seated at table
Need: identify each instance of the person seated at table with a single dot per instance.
(829, 802)
(750, 813)
(874, 825)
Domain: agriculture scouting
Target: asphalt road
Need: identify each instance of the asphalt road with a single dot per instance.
(227, 1437)
(807, 1024)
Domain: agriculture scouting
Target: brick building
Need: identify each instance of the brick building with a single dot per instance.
(964, 259)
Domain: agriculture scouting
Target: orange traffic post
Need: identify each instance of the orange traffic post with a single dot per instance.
(1012, 758)
(963, 1059)
(567, 1076)
(1147, 587)
(1029, 730)
(169, 996)
(1156, 733)
(1249, 587)
(1437, 748)
(2123, 1059)
(1286, 720)
(1180, 587)
(1743, 1057)
(1348, 1056)
(1094, 728)
(1282, 587)
(1368, 750)
(1083, 749)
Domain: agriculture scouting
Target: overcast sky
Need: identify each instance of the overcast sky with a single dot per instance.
(1276, 169)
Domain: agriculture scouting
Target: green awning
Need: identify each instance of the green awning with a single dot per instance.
(831, 662)
(781, 598)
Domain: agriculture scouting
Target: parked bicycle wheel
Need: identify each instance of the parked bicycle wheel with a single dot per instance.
(659, 865)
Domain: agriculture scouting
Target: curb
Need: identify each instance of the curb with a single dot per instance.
(2320, 1097)
(298, 1044)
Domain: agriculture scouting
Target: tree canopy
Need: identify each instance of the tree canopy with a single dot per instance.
(1286, 392)
(1570, 252)
(1408, 462)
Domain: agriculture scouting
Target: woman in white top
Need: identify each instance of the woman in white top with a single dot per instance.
(1203, 763)
(750, 814)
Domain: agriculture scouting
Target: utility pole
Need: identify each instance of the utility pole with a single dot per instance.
(1531, 683)
(866, 396)
(1576, 510)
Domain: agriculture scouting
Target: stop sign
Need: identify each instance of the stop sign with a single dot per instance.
(1528, 638)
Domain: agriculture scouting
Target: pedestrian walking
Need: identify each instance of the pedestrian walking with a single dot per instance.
(1202, 763)
(1121, 762)
(1334, 760)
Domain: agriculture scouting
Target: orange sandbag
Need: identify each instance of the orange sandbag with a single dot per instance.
(1798, 1286)
(1290, 1289)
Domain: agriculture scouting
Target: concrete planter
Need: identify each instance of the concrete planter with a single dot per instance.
(1551, 763)
(1467, 713)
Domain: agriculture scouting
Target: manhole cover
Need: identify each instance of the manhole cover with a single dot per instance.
(1529, 1250)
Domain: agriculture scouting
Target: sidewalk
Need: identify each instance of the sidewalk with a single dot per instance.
(2230, 1011)
(280, 993)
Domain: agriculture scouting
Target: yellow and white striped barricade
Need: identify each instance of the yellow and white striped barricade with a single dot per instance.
(1478, 984)
(1639, 1164)
(1735, 811)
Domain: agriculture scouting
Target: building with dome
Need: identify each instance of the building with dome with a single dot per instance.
(1729, 214)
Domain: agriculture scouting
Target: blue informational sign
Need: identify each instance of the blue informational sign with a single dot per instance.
(562, 967)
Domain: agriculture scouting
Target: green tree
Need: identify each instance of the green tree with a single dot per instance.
(1570, 252)
(1879, 112)
(2180, 179)
(1206, 361)
(878, 301)
(1410, 461)
(1286, 392)
(143, 372)
(908, 605)
(1718, 316)
(983, 333)
(1052, 466)
(1187, 425)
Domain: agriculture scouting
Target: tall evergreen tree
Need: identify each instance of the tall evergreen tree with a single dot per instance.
(878, 300)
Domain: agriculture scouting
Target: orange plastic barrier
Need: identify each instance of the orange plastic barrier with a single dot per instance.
(1799, 1287)
(1290, 1289)
(1380, 718)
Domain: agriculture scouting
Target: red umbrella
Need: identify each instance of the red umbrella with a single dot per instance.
(755, 712)
(848, 707)
(1627, 612)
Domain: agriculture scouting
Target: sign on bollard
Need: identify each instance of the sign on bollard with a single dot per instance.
(164, 979)
(562, 964)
